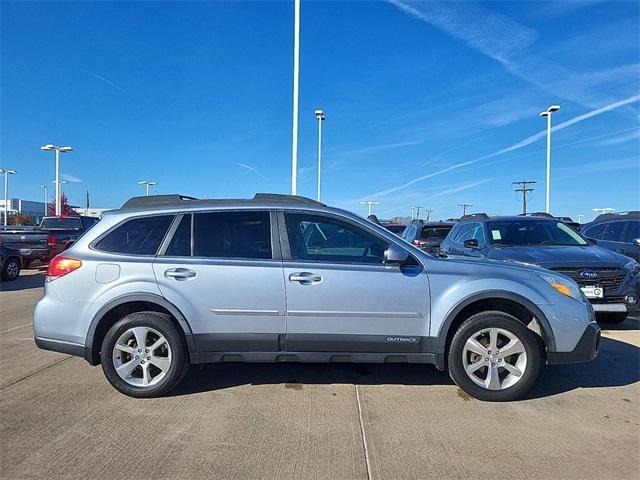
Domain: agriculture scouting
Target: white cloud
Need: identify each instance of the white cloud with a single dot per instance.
(491, 33)
(70, 178)
(620, 139)
(102, 79)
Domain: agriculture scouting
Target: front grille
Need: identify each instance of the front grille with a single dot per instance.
(608, 278)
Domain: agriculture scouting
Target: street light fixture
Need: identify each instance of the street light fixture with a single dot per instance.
(370, 204)
(6, 172)
(547, 113)
(58, 150)
(320, 116)
(147, 184)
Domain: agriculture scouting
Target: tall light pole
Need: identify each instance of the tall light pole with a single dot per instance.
(147, 184)
(296, 77)
(547, 113)
(61, 182)
(46, 198)
(464, 207)
(6, 172)
(58, 151)
(320, 117)
(429, 212)
(370, 204)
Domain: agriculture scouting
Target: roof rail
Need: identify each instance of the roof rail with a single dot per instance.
(156, 201)
(537, 214)
(470, 216)
(176, 200)
(283, 198)
(618, 216)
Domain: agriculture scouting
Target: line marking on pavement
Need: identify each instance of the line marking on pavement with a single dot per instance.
(14, 328)
(37, 371)
(364, 436)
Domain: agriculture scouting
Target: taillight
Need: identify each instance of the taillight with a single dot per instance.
(51, 240)
(60, 266)
(420, 243)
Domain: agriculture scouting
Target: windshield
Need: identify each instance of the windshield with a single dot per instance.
(533, 232)
(61, 223)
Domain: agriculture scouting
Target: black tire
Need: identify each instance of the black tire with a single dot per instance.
(11, 269)
(533, 347)
(179, 352)
(612, 317)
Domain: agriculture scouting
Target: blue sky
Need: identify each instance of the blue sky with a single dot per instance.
(427, 103)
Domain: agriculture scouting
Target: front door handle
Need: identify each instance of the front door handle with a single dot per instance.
(305, 278)
(179, 273)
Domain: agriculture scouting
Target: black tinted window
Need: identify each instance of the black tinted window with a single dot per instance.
(139, 236)
(613, 231)
(592, 232)
(324, 239)
(180, 245)
(633, 231)
(62, 223)
(232, 235)
(434, 232)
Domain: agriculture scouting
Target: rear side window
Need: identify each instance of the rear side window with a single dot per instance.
(613, 231)
(138, 236)
(232, 235)
(434, 232)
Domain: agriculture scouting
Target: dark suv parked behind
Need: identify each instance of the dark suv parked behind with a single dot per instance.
(427, 236)
(620, 233)
(609, 280)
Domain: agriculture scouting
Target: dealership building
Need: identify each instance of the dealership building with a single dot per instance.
(37, 210)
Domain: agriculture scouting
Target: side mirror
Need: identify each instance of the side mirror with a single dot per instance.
(636, 242)
(395, 255)
(471, 243)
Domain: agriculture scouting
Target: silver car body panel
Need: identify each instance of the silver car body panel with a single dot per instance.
(253, 305)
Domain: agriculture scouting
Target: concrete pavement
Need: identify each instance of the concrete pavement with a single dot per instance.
(59, 418)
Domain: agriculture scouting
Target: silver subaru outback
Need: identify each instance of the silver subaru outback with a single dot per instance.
(169, 281)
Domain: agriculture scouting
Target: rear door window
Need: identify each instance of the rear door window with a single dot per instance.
(138, 236)
(633, 231)
(232, 235)
(180, 245)
(614, 232)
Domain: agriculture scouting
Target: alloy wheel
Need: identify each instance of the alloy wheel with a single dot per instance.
(141, 356)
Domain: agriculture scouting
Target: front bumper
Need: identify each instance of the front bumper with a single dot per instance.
(585, 351)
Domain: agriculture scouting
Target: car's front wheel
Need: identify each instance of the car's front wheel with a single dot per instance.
(144, 355)
(494, 357)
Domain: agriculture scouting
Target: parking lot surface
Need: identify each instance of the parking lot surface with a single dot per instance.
(59, 418)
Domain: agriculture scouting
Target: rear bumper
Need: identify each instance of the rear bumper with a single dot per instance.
(585, 351)
(60, 346)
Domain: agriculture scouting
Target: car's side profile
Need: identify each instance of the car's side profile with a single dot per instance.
(169, 281)
(617, 232)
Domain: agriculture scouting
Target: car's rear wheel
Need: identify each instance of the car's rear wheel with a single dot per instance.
(612, 317)
(494, 357)
(11, 269)
(144, 355)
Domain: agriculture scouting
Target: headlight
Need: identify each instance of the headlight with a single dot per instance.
(563, 285)
(632, 266)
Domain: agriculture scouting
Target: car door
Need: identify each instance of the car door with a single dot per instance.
(632, 243)
(612, 236)
(223, 270)
(340, 294)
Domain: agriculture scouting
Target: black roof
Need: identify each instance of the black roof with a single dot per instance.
(618, 216)
(178, 201)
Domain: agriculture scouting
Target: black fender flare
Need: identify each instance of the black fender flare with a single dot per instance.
(89, 353)
(545, 326)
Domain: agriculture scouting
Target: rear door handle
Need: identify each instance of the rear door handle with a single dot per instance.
(305, 278)
(179, 273)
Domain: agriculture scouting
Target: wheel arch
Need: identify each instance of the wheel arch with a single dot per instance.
(501, 300)
(115, 309)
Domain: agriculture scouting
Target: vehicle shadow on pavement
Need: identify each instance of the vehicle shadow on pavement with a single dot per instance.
(213, 376)
(23, 282)
(630, 323)
(618, 364)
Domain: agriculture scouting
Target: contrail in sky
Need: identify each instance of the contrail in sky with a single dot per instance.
(522, 143)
